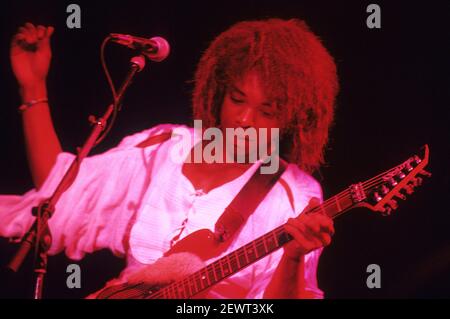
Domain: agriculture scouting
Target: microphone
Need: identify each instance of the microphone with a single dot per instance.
(156, 48)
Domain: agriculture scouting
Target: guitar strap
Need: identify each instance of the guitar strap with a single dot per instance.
(246, 202)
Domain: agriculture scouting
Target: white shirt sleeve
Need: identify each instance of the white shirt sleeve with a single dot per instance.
(97, 209)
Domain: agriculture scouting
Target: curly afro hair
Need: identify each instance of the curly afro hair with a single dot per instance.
(296, 72)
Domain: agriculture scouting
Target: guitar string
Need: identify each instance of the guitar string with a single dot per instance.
(126, 292)
(197, 276)
(371, 183)
(185, 282)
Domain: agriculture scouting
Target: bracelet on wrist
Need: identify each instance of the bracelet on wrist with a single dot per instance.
(25, 106)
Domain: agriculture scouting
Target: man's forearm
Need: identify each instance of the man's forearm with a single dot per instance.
(42, 143)
(287, 281)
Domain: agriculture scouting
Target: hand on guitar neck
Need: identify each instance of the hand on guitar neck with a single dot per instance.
(310, 232)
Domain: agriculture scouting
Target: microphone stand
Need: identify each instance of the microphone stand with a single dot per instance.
(39, 234)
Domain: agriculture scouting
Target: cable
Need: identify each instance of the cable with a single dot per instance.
(113, 91)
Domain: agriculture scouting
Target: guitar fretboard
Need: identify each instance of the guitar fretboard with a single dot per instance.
(245, 256)
(375, 194)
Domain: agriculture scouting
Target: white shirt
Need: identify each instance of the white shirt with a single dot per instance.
(136, 201)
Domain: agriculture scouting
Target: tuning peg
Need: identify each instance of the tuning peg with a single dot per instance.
(425, 173)
(392, 182)
(389, 207)
(393, 204)
(408, 168)
(387, 210)
(400, 175)
(376, 196)
(401, 196)
(417, 159)
(408, 189)
(417, 181)
(384, 189)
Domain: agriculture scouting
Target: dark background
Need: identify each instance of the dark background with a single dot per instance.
(394, 98)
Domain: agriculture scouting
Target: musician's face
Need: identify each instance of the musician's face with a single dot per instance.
(246, 106)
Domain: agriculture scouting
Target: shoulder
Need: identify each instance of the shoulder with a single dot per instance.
(153, 136)
(300, 187)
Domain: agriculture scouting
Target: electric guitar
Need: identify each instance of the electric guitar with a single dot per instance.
(376, 194)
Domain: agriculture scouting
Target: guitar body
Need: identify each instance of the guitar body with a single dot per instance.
(183, 280)
(201, 243)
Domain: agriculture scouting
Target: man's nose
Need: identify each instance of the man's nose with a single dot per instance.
(247, 117)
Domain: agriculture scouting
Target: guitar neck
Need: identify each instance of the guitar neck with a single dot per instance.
(376, 194)
(246, 255)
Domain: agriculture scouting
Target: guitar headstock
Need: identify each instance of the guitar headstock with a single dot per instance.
(382, 192)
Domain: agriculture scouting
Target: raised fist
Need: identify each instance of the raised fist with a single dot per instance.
(31, 54)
